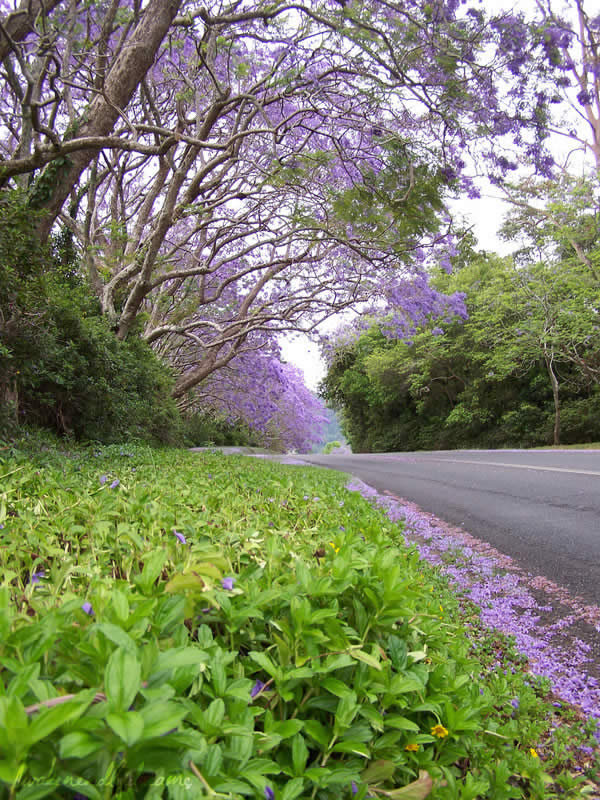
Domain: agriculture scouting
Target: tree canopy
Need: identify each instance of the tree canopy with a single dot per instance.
(231, 171)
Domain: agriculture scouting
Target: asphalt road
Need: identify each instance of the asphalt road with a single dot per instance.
(542, 507)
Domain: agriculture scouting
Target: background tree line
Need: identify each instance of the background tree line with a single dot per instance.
(522, 370)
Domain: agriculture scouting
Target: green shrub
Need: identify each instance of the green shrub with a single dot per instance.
(61, 366)
(181, 626)
(202, 430)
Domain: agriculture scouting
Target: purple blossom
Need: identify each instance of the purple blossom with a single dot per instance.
(585, 97)
(228, 583)
(515, 702)
(35, 578)
(103, 479)
(115, 483)
(354, 788)
(87, 607)
(269, 793)
(257, 688)
(179, 536)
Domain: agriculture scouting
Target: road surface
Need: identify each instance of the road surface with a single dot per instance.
(541, 507)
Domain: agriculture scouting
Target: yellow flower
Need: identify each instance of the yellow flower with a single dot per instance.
(439, 731)
(336, 550)
(533, 752)
(412, 747)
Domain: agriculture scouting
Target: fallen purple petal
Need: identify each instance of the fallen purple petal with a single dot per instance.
(505, 595)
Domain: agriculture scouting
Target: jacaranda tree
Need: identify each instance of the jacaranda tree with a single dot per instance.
(235, 170)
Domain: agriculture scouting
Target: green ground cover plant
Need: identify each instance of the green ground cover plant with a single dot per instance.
(182, 625)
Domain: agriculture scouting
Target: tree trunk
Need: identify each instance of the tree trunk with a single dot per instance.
(549, 359)
(122, 80)
(22, 21)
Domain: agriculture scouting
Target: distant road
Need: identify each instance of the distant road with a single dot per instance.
(542, 507)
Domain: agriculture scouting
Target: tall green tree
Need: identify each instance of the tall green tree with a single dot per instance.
(528, 353)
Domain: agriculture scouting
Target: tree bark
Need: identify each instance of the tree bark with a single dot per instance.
(549, 359)
(22, 21)
(122, 80)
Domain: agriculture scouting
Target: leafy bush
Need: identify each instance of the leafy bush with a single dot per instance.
(61, 366)
(207, 429)
(185, 626)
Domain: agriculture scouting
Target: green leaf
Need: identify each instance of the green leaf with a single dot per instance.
(299, 755)
(47, 720)
(122, 680)
(9, 771)
(366, 658)
(128, 725)
(215, 713)
(78, 745)
(120, 604)
(373, 716)
(153, 566)
(287, 728)
(185, 583)
(398, 652)
(179, 657)
(82, 786)
(116, 635)
(378, 771)
(354, 747)
(161, 718)
(292, 789)
(335, 686)
(345, 712)
(318, 732)
(263, 660)
(35, 791)
(401, 723)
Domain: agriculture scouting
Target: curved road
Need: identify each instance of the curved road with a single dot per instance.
(542, 507)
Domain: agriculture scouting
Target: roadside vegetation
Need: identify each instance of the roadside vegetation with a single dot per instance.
(181, 625)
(522, 370)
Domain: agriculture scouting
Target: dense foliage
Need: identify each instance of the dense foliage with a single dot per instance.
(182, 626)
(61, 366)
(521, 371)
(236, 170)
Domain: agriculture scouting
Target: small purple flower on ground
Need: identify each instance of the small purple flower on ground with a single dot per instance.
(103, 479)
(515, 702)
(115, 483)
(354, 788)
(228, 583)
(35, 578)
(269, 793)
(87, 607)
(180, 536)
(257, 689)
